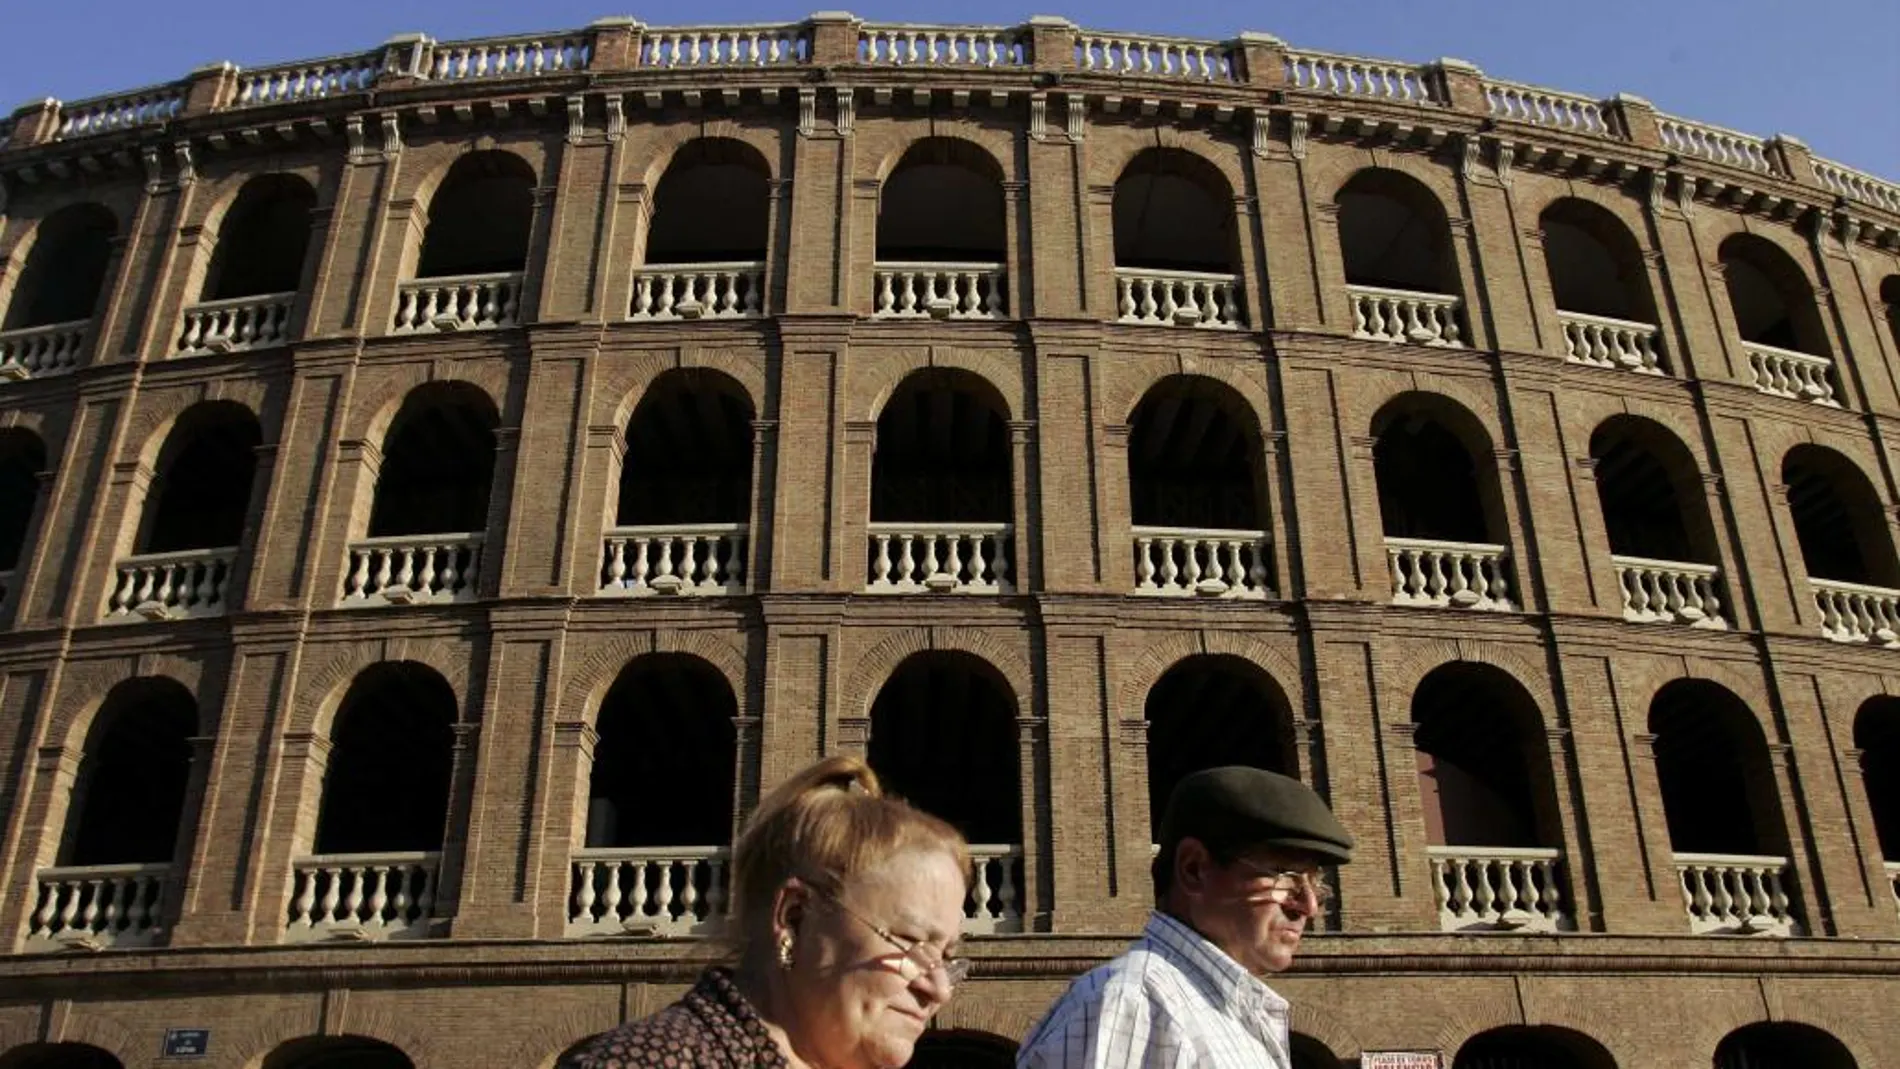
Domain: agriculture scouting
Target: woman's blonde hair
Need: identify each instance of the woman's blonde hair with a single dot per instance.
(823, 826)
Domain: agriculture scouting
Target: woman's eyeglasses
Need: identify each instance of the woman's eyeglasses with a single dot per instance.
(915, 958)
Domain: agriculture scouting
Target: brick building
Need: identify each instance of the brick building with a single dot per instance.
(444, 485)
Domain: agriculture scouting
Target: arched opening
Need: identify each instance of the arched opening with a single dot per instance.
(1195, 474)
(1310, 1053)
(59, 1056)
(1440, 505)
(663, 765)
(1211, 710)
(943, 735)
(1532, 1047)
(941, 234)
(1773, 303)
(1781, 1045)
(263, 239)
(713, 204)
(22, 462)
(1596, 267)
(1877, 737)
(386, 783)
(1838, 519)
(1393, 234)
(1174, 211)
(1650, 491)
(337, 1052)
(438, 461)
(948, 1048)
(480, 218)
(689, 453)
(65, 268)
(201, 484)
(942, 500)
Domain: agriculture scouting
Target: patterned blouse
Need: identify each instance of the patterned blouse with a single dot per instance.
(713, 1027)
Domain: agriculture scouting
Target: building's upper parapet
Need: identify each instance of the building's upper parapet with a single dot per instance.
(1056, 51)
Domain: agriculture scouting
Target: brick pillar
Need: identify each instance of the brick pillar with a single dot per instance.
(834, 38)
(1262, 59)
(1637, 119)
(212, 88)
(36, 123)
(569, 785)
(617, 41)
(1052, 43)
(1463, 84)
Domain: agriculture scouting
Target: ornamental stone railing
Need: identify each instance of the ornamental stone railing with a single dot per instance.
(1405, 316)
(1786, 373)
(1177, 298)
(702, 559)
(35, 352)
(361, 896)
(940, 558)
(98, 906)
(1545, 107)
(1435, 574)
(1601, 341)
(1735, 894)
(1853, 612)
(121, 111)
(172, 586)
(698, 291)
(1670, 592)
(1188, 562)
(904, 45)
(1857, 185)
(938, 291)
(521, 56)
(409, 569)
(234, 324)
(1147, 56)
(674, 890)
(1353, 76)
(1495, 888)
(995, 901)
(725, 46)
(1715, 144)
(311, 79)
(458, 302)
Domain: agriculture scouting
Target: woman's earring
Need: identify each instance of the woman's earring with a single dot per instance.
(785, 950)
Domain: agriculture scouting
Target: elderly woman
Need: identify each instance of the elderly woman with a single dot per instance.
(847, 906)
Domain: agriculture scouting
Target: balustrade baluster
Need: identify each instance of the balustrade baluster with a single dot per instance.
(332, 893)
(611, 897)
(980, 891)
(881, 565)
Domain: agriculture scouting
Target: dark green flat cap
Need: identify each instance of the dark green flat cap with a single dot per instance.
(1236, 807)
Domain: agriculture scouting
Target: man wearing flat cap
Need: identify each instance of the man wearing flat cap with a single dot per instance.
(1237, 879)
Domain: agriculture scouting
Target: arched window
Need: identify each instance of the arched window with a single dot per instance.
(1400, 270)
(1601, 286)
(1196, 487)
(942, 499)
(1177, 248)
(1650, 491)
(480, 217)
(1838, 519)
(263, 239)
(706, 243)
(1211, 710)
(1532, 1047)
(22, 461)
(1770, 296)
(200, 495)
(1440, 504)
(1310, 1053)
(59, 1056)
(941, 245)
(438, 461)
(337, 1052)
(1877, 737)
(1781, 1045)
(65, 268)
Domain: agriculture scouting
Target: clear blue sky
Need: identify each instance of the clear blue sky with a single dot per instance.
(1826, 71)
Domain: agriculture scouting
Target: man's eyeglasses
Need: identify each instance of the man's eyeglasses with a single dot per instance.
(915, 958)
(1291, 883)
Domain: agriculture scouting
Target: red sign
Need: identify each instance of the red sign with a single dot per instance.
(1400, 1059)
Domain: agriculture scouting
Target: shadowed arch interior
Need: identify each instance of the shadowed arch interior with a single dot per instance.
(1174, 211)
(1781, 1045)
(337, 1052)
(65, 268)
(943, 736)
(1310, 1053)
(1194, 457)
(1532, 1047)
(129, 797)
(22, 461)
(712, 205)
(942, 452)
(1595, 264)
(59, 1056)
(1431, 484)
(942, 202)
(1650, 491)
(1210, 710)
(689, 452)
(1877, 737)
(947, 1048)
(480, 218)
(1718, 790)
(438, 461)
(1771, 298)
(1484, 774)
(201, 484)
(263, 238)
(386, 785)
(663, 767)
(1838, 518)
(1890, 303)
(1393, 233)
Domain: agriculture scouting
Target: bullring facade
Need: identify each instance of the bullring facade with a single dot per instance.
(441, 487)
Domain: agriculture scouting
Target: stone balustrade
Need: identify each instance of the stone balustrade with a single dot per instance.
(1857, 185)
(1495, 888)
(725, 46)
(1670, 592)
(172, 586)
(699, 291)
(1715, 144)
(1601, 341)
(938, 291)
(1404, 316)
(1538, 106)
(1785, 373)
(940, 558)
(521, 56)
(1177, 298)
(1852, 612)
(1351, 76)
(704, 558)
(230, 325)
(413, 568)
(458, 302)
(1188, 562)
(97, 906)
(121, 111)
(308, 79)
(675, 890)
(942, 46)
(35, 352)
(1150, 56)
(361, 896)
(995, 902)
(1464, 575)
(1735, 894)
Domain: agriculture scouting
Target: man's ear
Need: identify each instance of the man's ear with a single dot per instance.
(1192, 863)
